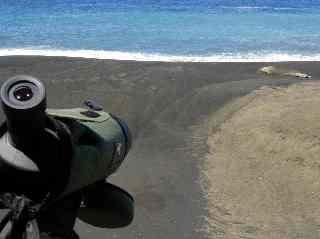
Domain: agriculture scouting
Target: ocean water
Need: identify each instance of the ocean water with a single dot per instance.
(165, 30)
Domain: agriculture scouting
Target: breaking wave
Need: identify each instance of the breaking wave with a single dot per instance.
(137, 56)
(264, 8)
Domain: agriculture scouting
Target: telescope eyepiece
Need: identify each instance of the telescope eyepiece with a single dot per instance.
(23, 101)
(23, 93)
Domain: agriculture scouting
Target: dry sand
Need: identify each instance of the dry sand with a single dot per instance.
(262, 172)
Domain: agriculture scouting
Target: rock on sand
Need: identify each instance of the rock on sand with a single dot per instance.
(272, 70)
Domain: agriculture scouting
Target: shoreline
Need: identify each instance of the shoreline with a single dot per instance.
(263, 56)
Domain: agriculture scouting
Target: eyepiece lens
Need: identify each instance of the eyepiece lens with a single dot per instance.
(23, 93)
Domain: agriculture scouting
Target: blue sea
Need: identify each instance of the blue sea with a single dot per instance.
(163, 30)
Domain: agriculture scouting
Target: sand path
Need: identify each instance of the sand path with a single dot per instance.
(262, 173)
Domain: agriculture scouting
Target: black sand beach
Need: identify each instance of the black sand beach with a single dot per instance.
(169, 107)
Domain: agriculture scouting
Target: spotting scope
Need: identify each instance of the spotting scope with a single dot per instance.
(58, 152)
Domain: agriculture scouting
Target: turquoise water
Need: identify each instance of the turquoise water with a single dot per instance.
(199, 30)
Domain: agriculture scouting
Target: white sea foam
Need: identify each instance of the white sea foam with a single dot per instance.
(263, 8)
(117, 55)
(246, 7)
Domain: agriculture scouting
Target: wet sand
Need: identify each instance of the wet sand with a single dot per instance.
(174, 111)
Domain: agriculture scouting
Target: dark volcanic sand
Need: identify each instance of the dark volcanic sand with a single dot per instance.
(164, 105)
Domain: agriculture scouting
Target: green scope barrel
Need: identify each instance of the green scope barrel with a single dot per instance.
(100, 145)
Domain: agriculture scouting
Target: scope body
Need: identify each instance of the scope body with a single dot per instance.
(99, 148)
(57, 151)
